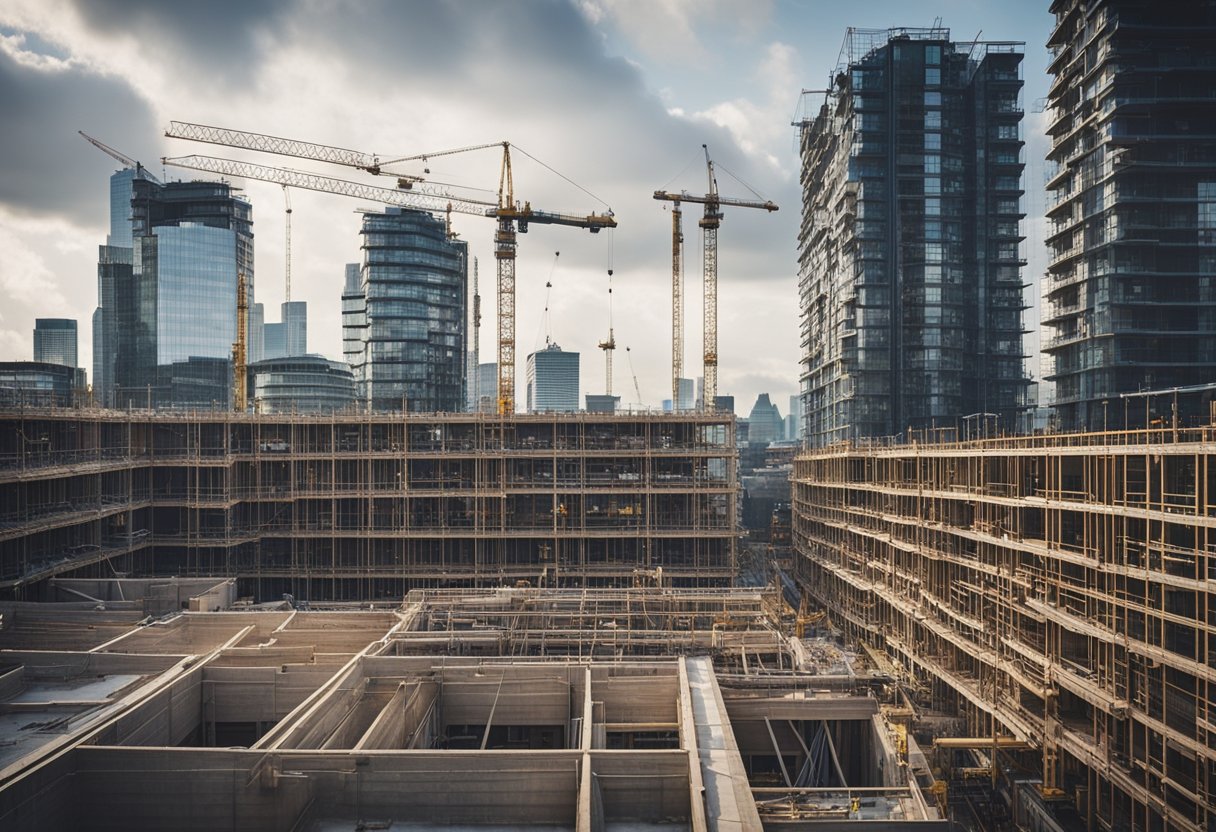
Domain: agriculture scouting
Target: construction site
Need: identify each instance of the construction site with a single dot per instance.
(367, 507)
(1052, 593)
(492, 709)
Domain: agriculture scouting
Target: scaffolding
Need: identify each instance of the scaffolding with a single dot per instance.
(367, 506)
(1055, 589)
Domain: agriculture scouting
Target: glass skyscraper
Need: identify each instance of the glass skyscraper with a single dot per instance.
(55, 341)
(910, 273)
(166, 317)
(404, 314)
(552, 380)
(289, 337)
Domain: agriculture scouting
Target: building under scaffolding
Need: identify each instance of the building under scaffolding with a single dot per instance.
(367, 506)
(1054, 592)
(492, 709)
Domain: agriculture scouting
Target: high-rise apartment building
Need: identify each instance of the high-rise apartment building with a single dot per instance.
(552, 380)
(167, 286)
(1129, 301)
(404, 318)
(55, 341)
(910, 274)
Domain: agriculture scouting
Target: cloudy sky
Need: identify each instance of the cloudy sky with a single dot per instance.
(614, 95)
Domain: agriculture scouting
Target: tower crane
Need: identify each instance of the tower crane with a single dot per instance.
(709, 223)
(609, 345)
(411, 193)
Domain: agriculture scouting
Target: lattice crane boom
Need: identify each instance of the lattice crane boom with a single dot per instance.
(437, 202)
(509, 214)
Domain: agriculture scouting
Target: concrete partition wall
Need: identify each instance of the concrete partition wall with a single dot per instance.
(641, 787)
(498, 788)
(186, 790)
(170, 716)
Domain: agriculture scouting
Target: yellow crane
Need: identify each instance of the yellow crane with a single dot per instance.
(709, 223)
(412, 192)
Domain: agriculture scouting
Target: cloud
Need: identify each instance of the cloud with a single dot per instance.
(46, 165)
(225, 39)
(402, 78)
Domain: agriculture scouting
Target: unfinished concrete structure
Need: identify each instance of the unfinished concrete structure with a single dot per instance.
(367, 506)
(496, 709)
(1056, 592)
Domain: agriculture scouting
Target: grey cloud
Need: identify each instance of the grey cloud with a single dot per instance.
(46, 166)
(220, 37)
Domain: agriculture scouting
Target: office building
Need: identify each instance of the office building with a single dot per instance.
(404, 314)
(765, 424)
(688, 397)
(910, 273)
(1129, 300)
(602, 403)
(301, 384)
(55, 341)
(552, 380)
(39, 383)
(793, 423)
(289, 337)
(167, 287)
(483, 389)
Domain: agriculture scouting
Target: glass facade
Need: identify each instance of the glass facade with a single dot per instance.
(167, 292)
(552, 380)
(405, 324)
(301, 384)
(910, 270)
(55, 341)
(37, 383)
(289, 337)
(196, 292)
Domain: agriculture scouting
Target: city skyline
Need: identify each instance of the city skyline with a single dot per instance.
(649, 105)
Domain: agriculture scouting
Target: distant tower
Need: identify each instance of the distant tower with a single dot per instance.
(55, 341)
(408, 343)
(553, 380)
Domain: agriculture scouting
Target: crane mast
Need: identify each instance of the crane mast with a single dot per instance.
(709, 223)
(677, 303)
(239, 353)
(610, 345)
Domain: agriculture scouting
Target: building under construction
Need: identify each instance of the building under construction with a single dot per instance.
(367, 507)
(464, 709)
(1056, 593)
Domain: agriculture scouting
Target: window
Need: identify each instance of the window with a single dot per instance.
(1005, 131)
(933, 55)
(933, 185)
(933, 76)
(933, 163)
(933, 119)
(933, 206)
(933, 252)
(933, 229)
(1206, 192)
(933, 99)
(933, 141)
